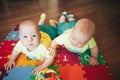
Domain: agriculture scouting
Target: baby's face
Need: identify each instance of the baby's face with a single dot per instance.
(30, 37)
(78, 40)
(82, 32)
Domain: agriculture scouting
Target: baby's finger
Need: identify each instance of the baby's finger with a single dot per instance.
(13, 65)
(96, 63)
(52, 53)
(92, 63)
(5, 66)
(35, 73)
(10, 67)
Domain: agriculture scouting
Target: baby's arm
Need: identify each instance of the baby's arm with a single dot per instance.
(11, 61)
(94, 56)
(52, 48)
(45, 64)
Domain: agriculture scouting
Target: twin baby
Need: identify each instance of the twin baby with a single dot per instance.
(76, 36)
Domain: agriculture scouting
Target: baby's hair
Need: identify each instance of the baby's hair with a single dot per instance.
(85, 26)
(28, 23)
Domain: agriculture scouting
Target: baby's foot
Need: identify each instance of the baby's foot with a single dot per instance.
(70, 16)
(64, 13)
(53, 22)
(43, 16)
(42, 19)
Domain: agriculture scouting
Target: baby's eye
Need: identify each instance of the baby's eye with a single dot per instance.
(33, 35)
(24, 36)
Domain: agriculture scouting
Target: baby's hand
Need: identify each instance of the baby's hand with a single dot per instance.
(93, 61)
(9, 65)
(52, 51)
(37, 70)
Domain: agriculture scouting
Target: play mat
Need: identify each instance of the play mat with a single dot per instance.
(67, 65)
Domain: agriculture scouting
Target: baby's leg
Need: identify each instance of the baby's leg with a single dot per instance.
(53, 22)
(63, 17)
(61, 20)
(42, 19)
(70, 17)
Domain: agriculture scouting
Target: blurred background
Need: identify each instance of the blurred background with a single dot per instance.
(105, 14)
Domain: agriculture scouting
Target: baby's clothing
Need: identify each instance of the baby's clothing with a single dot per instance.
(40, 52)
(50, 30)
(63, 39)
(61, 27)
(53, 32)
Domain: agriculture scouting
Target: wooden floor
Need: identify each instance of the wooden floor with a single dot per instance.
(105, 14)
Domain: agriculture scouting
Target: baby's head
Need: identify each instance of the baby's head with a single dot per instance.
(29, 34)
(82, 32)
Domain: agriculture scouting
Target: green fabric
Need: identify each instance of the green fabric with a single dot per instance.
(65, 25)
(50, 30)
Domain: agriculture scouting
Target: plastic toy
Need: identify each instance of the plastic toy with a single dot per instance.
(46, 74)
(50, 73)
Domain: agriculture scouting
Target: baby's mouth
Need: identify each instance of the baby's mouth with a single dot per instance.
(31, 47)
(30, 44)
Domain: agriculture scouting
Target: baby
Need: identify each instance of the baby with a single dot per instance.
(31, 45)
(78, 39)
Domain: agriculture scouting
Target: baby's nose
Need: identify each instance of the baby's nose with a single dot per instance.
(75, 43)
(30, 39)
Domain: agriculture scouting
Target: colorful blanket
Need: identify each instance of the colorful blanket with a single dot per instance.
(70, 66)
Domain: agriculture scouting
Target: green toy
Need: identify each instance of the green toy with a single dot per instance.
(87, 54)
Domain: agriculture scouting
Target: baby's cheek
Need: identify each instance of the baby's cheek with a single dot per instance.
(24, 42)
(36, 43)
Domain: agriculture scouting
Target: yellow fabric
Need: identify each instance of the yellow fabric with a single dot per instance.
(63, 39)
(45, 39)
